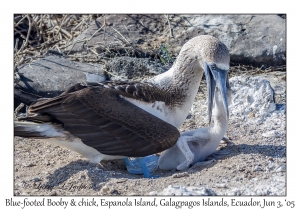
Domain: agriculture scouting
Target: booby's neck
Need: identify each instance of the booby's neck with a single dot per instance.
(181, 82)
(220, 125)
(185, 73)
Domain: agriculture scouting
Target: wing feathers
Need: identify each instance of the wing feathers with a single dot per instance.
(108, 123)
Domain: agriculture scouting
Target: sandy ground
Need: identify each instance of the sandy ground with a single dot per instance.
(255, 165)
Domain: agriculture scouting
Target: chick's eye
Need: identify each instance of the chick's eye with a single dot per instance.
(213, 67)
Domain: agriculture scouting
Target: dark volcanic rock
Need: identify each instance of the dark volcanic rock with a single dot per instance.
(128, 68)
(50, 76)
(121, 33)
(252, 39)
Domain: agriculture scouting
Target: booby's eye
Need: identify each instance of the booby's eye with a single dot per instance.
(213, 66)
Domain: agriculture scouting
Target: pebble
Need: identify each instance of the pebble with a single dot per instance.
(281, 168)
(179, 175)
(153, 193)
(271, 166)
(121, 180)
(36, 179)
(53, 193)
(26, 193)
(235, 192)
(17, 192)
(34, 191)
(115, 192)
(283, 161)
(135, 194)
(272, 133)
(220, 185)
(29, 164)
(104, 190)
(260, 192)
(257, 168)
(186, 191)
(205, 163)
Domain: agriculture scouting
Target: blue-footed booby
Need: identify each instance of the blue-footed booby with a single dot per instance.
(195, 145)
(112, 120)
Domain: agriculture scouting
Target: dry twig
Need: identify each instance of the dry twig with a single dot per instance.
(171, 35)
(121, 35)
(28, 34)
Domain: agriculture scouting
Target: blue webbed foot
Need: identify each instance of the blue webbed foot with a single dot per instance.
(142, 165)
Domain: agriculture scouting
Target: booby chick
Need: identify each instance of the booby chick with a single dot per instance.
(195, 145)
(112, 120)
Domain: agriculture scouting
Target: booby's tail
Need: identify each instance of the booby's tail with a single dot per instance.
(37, 130)
(25, 97)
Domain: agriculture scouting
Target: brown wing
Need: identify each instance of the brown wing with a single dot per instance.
(108, 123)
(138, 91)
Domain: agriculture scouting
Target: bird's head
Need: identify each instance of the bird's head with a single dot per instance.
(215, 58)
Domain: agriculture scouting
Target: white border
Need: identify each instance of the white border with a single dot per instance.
(153, 6)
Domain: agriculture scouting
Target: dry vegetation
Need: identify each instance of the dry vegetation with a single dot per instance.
(36, 35)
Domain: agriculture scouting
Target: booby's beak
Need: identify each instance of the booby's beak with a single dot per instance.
(216, 76)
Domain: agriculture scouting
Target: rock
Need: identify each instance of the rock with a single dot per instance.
(261, 192)
(234, 192)
(179, 175)
(281, 168)
(252, 98)
(53, 193)
(94, 78)
(278, 85)
(221, 185)
(29, 164)
(257, 168)
(36, 179)
(21, 183)
(252, 108)
(182, 190)
(17, 192)
(127, 68)
(50, 76)
(120, 30)
(134, 194)
(153, 193)
(115, 192)
(272, 133)
(106, 189)
(251, 39)
(121, 180)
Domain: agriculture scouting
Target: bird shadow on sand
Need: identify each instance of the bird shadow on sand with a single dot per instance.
(266, 150)
(96, 173)
(234, 150)
(116, 169)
